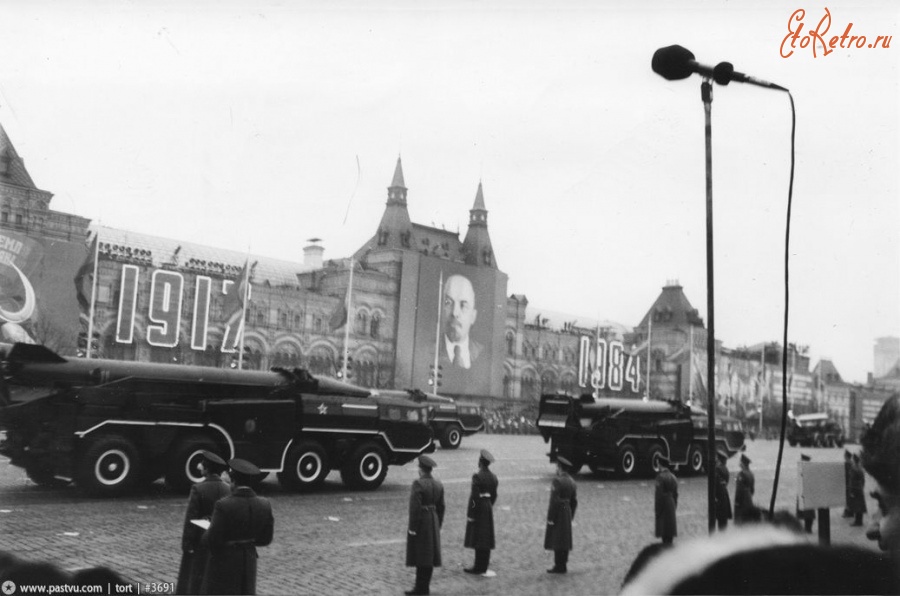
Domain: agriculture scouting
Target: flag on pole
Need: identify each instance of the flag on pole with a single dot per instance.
(339, 315)
(84, 277)
(235, 308)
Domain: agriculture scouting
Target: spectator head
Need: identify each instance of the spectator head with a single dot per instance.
(881, 459)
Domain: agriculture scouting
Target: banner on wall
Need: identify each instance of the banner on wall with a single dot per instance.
(37, 297)
(456, 308)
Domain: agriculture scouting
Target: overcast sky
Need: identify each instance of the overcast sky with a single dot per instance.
(239, 124)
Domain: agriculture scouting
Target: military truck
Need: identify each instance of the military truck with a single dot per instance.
(110, 426)
(729, 435)
(815, 430)
(450, 420)
(627, 436)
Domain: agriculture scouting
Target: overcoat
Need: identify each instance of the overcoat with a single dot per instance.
(857, 490)
(239, 524)
(561, 511)
(203, 498)
(480, 517)
(426, 516)
(744, 487)
(723, 499)
(666, 500)
(848, 466)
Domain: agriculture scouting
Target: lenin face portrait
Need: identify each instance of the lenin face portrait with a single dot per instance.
(458, 314)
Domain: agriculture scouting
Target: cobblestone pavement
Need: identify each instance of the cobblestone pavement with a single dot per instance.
(344, 542)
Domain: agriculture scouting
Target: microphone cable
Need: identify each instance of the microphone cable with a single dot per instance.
(787, 255)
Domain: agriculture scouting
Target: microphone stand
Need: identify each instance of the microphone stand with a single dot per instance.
(706, 95)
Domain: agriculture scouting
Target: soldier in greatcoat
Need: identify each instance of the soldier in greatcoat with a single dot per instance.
(203, 498)
(426, 516)
(240, 522)
(857, 492)
(723, 500)
(561, 511)
(744, 487)
(480, 518)
(848, 465)
(666, 501)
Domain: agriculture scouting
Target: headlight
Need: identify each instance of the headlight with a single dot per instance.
(413, 415)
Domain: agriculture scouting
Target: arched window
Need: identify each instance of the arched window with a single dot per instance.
(374, 326)
(507, 386)
(362, 322)
(510, 343)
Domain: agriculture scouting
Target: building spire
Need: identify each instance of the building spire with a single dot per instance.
(477, 246)
(395, 229)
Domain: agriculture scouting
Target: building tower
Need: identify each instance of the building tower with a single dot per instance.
(477, 247)
(396, 229)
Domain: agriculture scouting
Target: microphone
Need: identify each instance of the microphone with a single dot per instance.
(674, 63)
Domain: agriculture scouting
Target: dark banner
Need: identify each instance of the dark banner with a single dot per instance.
(37, 293)
(455, 320)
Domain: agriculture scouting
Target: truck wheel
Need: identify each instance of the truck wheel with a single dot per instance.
(366, 468)
(817, 440)
(109, 466)
(183, 469)
(653, 454)
(452, 437)
(696, 459)
(839, 441)
(626, 463)
(305, 467)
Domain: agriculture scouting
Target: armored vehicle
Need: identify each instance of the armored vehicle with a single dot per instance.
(628, 436)
(450, 420)
(815, 430)
(112, 425)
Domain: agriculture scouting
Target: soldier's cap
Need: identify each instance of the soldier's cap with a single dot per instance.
(212, 458)
(426, 462)
(242, 466)
(846, 453)
(563, 461)
(804, 457)
(745, 459)
(486, 456)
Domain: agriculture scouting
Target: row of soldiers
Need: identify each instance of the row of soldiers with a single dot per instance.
(426, 516)
(666, 497)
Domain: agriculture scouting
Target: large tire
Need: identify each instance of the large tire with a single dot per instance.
(452, 436)
(654, 465)
(839, 441)
(696, 459)
(305, 467)
(183, 468)
(626, 461)
(109, 465)
(366, 468)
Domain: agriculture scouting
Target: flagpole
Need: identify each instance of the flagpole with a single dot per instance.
(244, 311)
(347, 324)
(691, 366)
(437, 336)
(649, 344)
(762, 363)
(90, 333)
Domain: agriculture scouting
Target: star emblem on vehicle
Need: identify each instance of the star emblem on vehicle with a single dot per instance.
(323, 409)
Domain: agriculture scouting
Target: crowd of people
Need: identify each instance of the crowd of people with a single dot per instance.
(505, 421)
